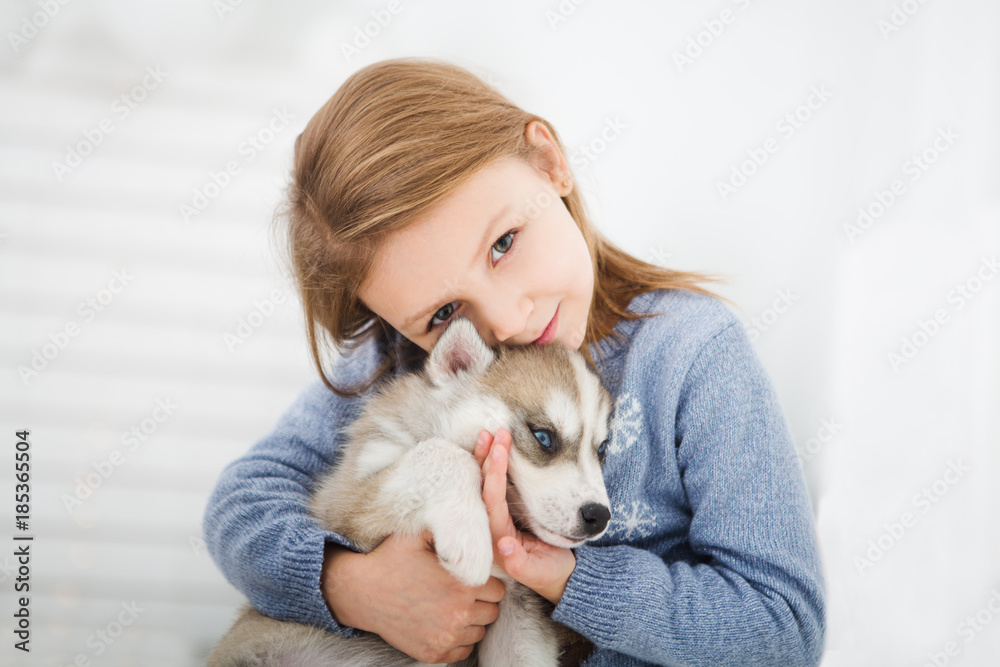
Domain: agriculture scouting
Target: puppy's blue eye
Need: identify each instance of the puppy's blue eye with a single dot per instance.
(543, 438)
(602, 449)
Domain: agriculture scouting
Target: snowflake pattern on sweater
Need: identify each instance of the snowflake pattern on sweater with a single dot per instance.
(626, 424)
(632, 521)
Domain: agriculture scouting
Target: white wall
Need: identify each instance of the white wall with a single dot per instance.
(654, 190)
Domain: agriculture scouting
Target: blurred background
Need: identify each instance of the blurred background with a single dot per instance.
(837, 162)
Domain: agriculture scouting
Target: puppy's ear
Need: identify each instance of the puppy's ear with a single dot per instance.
(460, 352)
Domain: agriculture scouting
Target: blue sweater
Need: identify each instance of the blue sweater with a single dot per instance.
(710, 557)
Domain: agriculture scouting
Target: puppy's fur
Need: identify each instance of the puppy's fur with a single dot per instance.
(407, 465)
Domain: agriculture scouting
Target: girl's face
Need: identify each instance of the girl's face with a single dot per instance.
(502, 250)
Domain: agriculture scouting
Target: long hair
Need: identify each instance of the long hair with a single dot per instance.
(393, 141)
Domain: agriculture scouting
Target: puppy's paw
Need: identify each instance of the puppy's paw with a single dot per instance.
(465, 548)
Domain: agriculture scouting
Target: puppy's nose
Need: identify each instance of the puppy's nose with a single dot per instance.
(595, 518)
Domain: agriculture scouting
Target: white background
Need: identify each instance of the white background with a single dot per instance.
(847, 303)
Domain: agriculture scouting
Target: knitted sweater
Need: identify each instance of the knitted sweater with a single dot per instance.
(710, 557)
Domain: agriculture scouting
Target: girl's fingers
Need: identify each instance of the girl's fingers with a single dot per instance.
(515, 558)
(482, 447)
(495, 480)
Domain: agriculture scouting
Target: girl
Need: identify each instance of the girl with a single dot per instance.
(420, 192)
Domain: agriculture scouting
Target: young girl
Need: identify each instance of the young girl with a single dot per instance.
(419, 193)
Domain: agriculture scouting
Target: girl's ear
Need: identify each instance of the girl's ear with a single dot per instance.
(460, 352)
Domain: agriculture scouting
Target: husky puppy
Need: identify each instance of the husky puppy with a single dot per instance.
(406, 465)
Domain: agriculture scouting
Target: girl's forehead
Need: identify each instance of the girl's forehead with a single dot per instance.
(463, 220)
(423, 262)
(424, 265)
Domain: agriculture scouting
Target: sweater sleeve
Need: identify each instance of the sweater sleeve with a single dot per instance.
(257, 525)
(753, 594)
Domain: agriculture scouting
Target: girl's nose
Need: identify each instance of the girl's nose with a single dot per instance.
(507, 317)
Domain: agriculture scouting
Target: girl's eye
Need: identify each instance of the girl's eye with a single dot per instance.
(447, 310)
(503, 246)
(504, 243)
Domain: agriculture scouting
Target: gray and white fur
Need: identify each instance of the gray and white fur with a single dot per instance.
(407, 465)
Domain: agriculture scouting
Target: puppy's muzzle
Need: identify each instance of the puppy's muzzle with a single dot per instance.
(594, 518)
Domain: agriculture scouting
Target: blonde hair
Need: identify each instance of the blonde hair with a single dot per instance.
(393, 141)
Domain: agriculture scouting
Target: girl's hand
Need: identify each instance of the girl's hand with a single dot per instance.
(541, 567)
(400, 592)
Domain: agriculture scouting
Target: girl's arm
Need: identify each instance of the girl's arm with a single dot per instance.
(259, 531)
(750, 589)
(257, 525)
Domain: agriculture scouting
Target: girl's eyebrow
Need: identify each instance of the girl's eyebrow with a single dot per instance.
(487, 240)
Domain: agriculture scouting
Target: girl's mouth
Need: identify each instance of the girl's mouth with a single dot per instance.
(550, 330)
